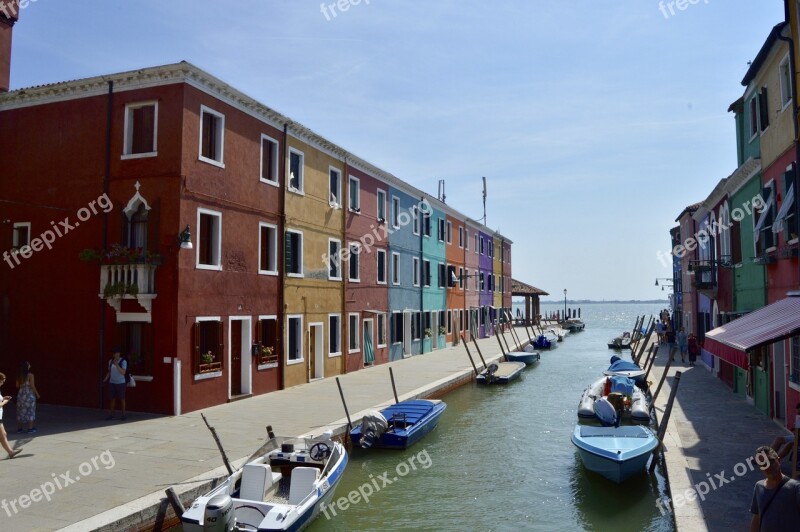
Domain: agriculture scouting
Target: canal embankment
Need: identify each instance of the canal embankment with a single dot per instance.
(111, 475)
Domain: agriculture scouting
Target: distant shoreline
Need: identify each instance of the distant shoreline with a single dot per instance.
(592, 302)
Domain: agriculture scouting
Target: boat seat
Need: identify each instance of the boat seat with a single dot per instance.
(302, 484)
(257, 479)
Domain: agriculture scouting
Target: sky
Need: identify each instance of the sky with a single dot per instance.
(594, 122)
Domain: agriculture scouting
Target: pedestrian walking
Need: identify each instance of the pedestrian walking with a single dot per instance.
(671, 345)
(115, 377)
(683, 343)
(3, 436)
(26, 398)
(693, 346)
(660, 331)
(776, 499)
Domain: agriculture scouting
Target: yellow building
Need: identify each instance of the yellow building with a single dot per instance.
(497, 271)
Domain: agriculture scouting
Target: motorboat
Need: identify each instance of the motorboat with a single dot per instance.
(500, 373)
(283, 487)
(625, 368)
(616, 453)
(620, 342)
(398, 426)
(557, 331)
(573, 325)
(544, 342)
(527, 356)
(612, 399)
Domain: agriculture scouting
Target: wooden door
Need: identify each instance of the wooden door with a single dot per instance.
(236, 357)
(312, 353)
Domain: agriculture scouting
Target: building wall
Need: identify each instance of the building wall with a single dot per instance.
(749, 284)
(433, 298)
(779, 136)
(507, 274)
(456, 302)
(486, 268)
(783, 275)
(471, 267)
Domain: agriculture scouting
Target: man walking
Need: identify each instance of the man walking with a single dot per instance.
(116, 383)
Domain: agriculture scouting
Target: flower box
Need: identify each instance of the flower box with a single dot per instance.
(210, 367)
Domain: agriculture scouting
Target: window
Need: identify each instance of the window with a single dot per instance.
(141, 130)
(794, 360)
(352, 333)
(136, 234)
(381, 210)
(449, 232)
(294, 339)
(442, 275)
(450, 321)
(334, 334)
(381, 258)
(415, 271)
(395, 268)
(426, 221)
(483, 282)
(267, 339)
(212, 133)
(353, 262)
(294, 253)
(395, 212)
(415, 324)
(483, 250)
(461, 278)
(725, 241)
(334, 259)
(269, 160)
(466, 239)
(441, 321)
(296, 166)
(763, 109)
(415, 216)
(786, 82)
(477, 280)
(764, 236)
(209, 239)
(267, 249)
(753, 117)
(334, 188)
(22, 235)
(461, 237)
(208, 345)
(451, 280)
(426, 272)
(441, 230)
(397, 327)
(355, 194)
(381, 330)
(137, 349)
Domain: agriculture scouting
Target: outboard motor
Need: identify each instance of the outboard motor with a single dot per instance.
(373, 425)
(219, 516)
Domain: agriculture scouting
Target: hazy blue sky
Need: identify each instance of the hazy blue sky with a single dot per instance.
(595, 123)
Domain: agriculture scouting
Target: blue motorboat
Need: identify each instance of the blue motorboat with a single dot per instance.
(527, 356)
(542, 342)
(624, 368)
(398, 426)
(616, 453)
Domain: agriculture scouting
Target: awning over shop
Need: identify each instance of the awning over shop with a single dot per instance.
(769, 324)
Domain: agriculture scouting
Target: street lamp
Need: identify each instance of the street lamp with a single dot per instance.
(565, 304)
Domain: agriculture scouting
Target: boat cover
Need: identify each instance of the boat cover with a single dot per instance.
(620, 365)
(622, 384)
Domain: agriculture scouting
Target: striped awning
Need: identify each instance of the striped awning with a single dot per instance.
(732, 341)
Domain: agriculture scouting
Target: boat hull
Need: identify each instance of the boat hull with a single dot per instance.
(617, 453)
(402, 438)
(522, 356)
(506, 372)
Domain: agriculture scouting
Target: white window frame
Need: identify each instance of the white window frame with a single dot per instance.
(274, 251)
(290, 362)
(461, 278)
(354, 182)
(449, 232)
(415, 271)
(335, 196)
(357, 255)
(440, 229)
(395, 212)
(477, 237)
(301, 178)
(220, 137)
(338, 331)
(426, 282)
(213, 374)
(351, 330)
(378, 253)
(274, 159)
(786, 91)
(267, 317)
(15, 244)
(752, 111)
(218, 246)
(466, 239)
(415, 221)
(338, 259)
(395, 268)
(127, 140)
(378, 194)
(379, 328)
(302, 244)
(441, 273)
(460, 237)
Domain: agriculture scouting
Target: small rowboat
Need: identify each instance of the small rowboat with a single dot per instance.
(398, 426)
(617, 453)
(500, 373)
(527, 356)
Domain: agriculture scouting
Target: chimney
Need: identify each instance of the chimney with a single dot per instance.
(9, 14)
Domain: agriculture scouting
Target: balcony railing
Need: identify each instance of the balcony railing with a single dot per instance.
(128, 281)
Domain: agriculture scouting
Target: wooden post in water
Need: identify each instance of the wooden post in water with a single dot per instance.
(175, 501)
(516, 335)
(662, 427)
(479, 353)
(635, 331)
(501, 346)
(644, 344)
(651, 359)
(344, 403)
(394, 388)
(660, 384)
(219, 446)
(503, 336)
(464, 342)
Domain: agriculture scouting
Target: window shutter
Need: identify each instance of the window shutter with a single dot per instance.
(259, 334)
(220, 336)
(763, 108)
(288, 249)
(196, 357)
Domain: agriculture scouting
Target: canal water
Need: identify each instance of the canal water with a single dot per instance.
(501, 457)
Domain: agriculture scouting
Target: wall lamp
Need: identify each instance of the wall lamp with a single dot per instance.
(668, 279)
(185, 238)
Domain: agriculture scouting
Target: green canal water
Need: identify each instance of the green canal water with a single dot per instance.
(501, 457)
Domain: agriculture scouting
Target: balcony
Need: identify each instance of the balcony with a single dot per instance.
(133, 281)
(705, 276)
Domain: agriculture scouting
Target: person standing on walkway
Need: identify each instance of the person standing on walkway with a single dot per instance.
(660, 331)
(3, 436)
(671, 346)
(116, 382)
(693, 346)
(683, 344)
(776, 499)
(26, 398)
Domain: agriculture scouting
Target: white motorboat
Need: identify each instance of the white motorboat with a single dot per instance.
(282, 489)
(617, 453)
(610, 399)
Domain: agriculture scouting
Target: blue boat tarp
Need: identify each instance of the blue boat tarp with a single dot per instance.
(620, 384)
(623, 365)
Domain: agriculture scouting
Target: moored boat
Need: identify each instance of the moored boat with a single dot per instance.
(611, 399)
(500, 373)
(620, 342)
(282, 489)
(616, 453)
(398, 426)
(527, 356)
(573, 325)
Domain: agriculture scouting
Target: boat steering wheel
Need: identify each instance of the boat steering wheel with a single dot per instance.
(319, 451)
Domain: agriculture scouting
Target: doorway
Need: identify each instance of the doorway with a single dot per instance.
(316, 361)
(369, 349)
(240, 374)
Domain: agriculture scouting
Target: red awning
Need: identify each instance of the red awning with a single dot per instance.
(769, 324)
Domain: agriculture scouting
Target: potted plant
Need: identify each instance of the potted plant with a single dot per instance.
(442, 330)
(428, 333)
(207, 358)
(208, 363)
(267, 355)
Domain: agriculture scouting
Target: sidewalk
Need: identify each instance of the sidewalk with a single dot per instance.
(93, 473)
(711, 434)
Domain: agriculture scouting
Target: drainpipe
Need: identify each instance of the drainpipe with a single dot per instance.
(345, 179)
(421, 280)
(107, 174)
(282, 260)
(795, 109)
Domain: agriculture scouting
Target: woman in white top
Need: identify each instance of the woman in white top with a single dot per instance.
(3, 436)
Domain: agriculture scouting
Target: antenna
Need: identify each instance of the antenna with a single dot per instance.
(484, 200)
(441, 191)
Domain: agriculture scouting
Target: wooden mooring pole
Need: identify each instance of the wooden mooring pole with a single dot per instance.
(662, 427)
(660, 384)
(219, 446)
(479, 352)
(394, 388)
(464, 343)
(644, 344)
(344, 403)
